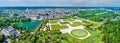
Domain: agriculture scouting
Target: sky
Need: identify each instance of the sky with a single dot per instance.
(72, 3)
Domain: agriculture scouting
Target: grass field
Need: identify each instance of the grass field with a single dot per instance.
(69, 19)
(79, 33)
(70, 39)
(75, 24)
(57, 27)
(64, 22)
(54, 21)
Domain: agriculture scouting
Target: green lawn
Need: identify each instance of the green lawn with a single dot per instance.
(69, 39)
(79, 33)
(57, 27)
(91, 24)
(69, 19)
(64, 22)
(75, 24)
(53, 21)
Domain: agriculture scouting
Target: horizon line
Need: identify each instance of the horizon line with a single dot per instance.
(52, 6)
(59, 6)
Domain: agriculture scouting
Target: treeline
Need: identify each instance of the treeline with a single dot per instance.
(111, 31)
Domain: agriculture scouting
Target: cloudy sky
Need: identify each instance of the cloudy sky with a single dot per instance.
(113, 3)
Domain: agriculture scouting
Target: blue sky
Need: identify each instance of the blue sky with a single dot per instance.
(107, 3)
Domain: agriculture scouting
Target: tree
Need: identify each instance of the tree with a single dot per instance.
(1, 37)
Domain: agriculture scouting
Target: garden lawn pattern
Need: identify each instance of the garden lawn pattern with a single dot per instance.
(79, 33)
(58, 27)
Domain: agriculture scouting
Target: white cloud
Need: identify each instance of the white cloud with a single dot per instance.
(15, 0)
(78, 1)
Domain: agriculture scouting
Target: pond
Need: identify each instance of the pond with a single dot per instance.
(31, 25)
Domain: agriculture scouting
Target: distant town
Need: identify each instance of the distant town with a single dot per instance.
(42, 14)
